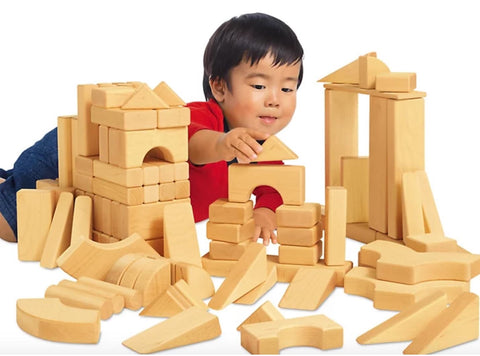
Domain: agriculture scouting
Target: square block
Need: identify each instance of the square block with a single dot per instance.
(166, 191)
(173, 117)
(151, 173)
(306, 215)
(299, 236)
(127, 177)
(166, 171)
(150, 193)
(181, 170)
(124, 119)
(182, 189)
(300, 255)
(223, 211)
(233, 233)
(84, 182)
(220, 250)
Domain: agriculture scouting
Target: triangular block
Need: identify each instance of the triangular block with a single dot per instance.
(455, 325)
(260, 290)
(408, 323)
(346, 75)
(145, 98)
(246, 274)
(188, 327)
(275, 150)
(265, 312)
(168, 95)
(197, 278)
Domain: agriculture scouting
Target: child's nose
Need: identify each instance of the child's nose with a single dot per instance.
(271, 99)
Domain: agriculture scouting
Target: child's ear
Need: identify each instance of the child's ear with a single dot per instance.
(219, 89)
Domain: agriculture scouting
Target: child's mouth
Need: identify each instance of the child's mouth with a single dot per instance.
(268, 119)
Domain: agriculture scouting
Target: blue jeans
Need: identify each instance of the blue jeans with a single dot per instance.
(37, 162)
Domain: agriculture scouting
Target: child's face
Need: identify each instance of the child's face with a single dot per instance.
(261, 97)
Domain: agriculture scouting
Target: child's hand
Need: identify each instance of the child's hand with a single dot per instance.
(265, 225)
(241, 143)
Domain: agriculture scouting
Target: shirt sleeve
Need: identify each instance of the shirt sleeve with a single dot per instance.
(266, 196)
(204, 116)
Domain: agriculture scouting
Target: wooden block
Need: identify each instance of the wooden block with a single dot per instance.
(335, 225)
(354, 177)
(166, 93)
(396, 296)
(272, 336)
(129, 148)
(233, 233)
(432, 218)
(182, 189)
(166, 171)
(124, 119)
(50, 319)
(103, 238)
(299, 236)
(217, 268)
(173, 117)
(166, 191)
(83, 182)
(111, 96)
(153, 279)
(58, 238)
(398, 263)
(80, 299)
(301, 295)
(113, 191)
(196, 277)
(84, 165)
(64, 145)
(431, 243)
(87, 131)
(35, 209)
(157, 245)
(223, 211)
(341, 131)
(132, 297)
(151, 173)
(360, 232)
(260, 290)
(408, 323)
(273, 149)
(265, 312)
(144, 98)
(288, 181)
(173, 300)
(347, 74)
(372, 92)
(92, 259)
(133, 271)
(396, 82)
(151, 193)
(405, 153)
(188, 327)
(82, 219)
(247, 273)
(220, 250)
(455, 325)
(413, 222)
(300, 255)
(107, 215)
(103, 147)
(74, 144)
(369, 68)
(181, 171)
(306, 215)
(131, 177)
(377, 157)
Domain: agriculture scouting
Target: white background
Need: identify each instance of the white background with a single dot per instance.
(48, 47)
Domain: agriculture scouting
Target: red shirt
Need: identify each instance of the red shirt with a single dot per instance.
(209, 182)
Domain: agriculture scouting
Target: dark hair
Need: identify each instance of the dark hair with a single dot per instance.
(249, 37)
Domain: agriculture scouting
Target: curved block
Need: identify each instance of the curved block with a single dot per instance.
(272, 336)
(52, 320)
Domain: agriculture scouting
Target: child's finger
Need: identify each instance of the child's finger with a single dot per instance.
(256, 233)
(243, 145)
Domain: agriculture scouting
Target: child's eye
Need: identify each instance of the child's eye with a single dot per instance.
(258, 86)
(287, 90)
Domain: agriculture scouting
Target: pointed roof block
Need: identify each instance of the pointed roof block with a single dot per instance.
(145, 98)
(275, 150)
(168, 95)
(348, 74)
(265, 312)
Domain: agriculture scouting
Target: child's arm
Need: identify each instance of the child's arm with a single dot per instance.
(208, 146)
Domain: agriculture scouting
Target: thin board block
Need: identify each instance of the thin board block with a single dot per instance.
(273, 149)
(335, 225)
(82, 219)
(188, 327)
(306, 215)
(223, 211)
(354, 177)
(396, 81)
(64, 145)
(413, 223)
(265, 312)
(87, 132)
(289, 181)
(50, 319)
(272, 336)
(247, 273)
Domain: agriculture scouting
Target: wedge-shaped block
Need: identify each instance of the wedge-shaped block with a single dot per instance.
(348, 74)
(166, 93)
(274, 150)
(300, 255)
(308, 289)
(248, 272)
(50, 319)
(223, 211)
(396, 296)
(196, 277)
(335, 225)
(299, 236)
(124, 119)
(173, 117)
(144, 98)
(82, 219)
(173, 300)
(111, 96)
(127, 149)
(93, 259)
(35, 209)
(306, 215)
(220, 250)
(453, 326)
(180, 235)
(233, 233)
(402, 82)
(369, 68)
(188, 327)
(272, 336)
(265, 312)
(260, 290)
(398, 263)
(289, 181)
(408, 323)
(354, 176)
(127, 177)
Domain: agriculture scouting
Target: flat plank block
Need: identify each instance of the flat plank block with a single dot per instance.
(188, 327)
(82, 219)
(173, 117)
(273, 149)
(301, 295)
(124, 119)
(354, 177)
(306, 215)
(335, 225)
(402, 82)
(127, 177)
(300, 255)
(247, 273)
(299, 236)
(223, 211)
(372, 92)
(272, 336)
(233, 233)
(220, 250)
(289, 181)
(265, 312)
(111, 96)
(35, 209)
(50, 319)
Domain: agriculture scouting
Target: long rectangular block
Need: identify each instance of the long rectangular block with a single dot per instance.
(173, 117)
(127, 177)
(220, 250)
(233, 233)
(306, 215)
(82, 219)
(223, 211)
(87, 130)
(355, 180)
(128, 196)
(396, 82)
(125, 119)
(300, 255)
(64, 145)
(335, 225)
(103, 148)
(299, 236)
